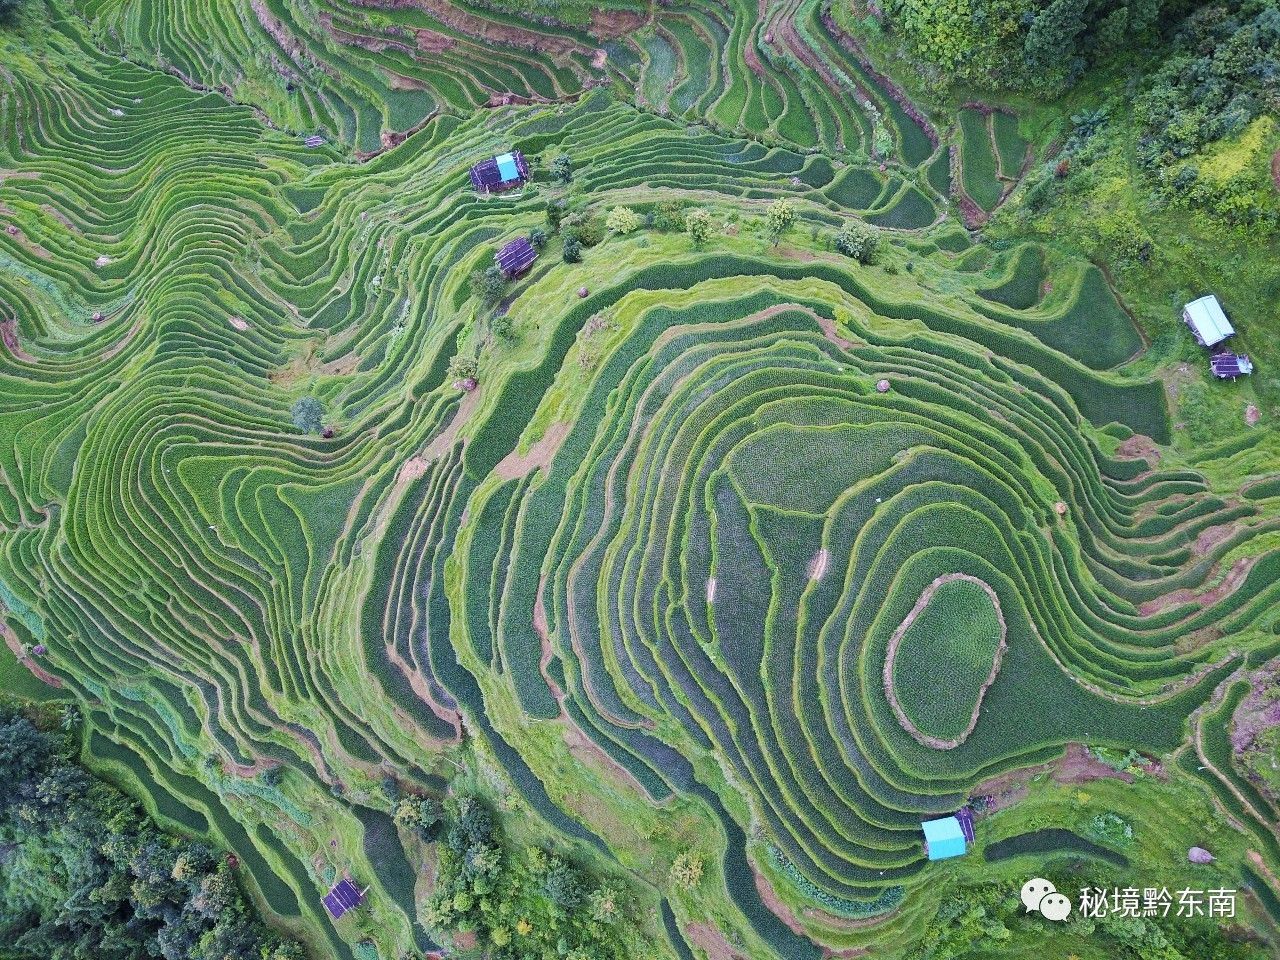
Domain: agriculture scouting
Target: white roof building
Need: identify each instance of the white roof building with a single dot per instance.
(1207, 321)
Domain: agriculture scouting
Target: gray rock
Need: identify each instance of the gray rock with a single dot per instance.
(1199, 855)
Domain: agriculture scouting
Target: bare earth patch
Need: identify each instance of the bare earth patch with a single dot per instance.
(539, 455)
(239, 323)
(818, 566)
(937, 743)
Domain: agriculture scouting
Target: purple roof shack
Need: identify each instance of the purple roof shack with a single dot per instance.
(516, 257)
(965, 816)
(343, 897)
(503, 172)
(1228, 366)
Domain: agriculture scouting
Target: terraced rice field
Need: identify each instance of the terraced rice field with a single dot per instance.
(677, 526)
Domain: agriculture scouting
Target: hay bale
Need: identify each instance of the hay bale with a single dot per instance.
(582, 293)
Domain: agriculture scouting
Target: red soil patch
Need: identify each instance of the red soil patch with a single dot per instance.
(937, 743)
(15, 646)
(770, 898)
(429, 41)
(1078, 766)
(484, 30)
(1139, 447)
(9, 335)
(710, 940)
(611, 24)
(1207, 598)
(268, 21)
(1213, 536)
(829, 331)
(1252, 415)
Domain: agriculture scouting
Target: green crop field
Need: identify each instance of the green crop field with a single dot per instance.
(711, 563)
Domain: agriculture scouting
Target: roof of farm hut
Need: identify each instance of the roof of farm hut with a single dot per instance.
(516, 256)
(342, 897)
(943, 838)
(1208, 320)
(506, 168)
(1228, 366)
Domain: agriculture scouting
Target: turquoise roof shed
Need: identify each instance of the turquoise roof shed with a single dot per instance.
(507, 167)
(943, 838)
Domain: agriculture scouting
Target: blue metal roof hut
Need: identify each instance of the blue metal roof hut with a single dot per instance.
(516, 257)
(343, 897)
(503, 172)
(944, 838)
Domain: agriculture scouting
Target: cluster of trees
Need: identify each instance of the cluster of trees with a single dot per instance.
(9, 11)
(1032, 45)
(1221, 75)
(583, 228)
(86, 875)
(521, 905)
(978, 917)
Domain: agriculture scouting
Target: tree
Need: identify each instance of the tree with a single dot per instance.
(563, 884)
(488, 285)
(572, 252)
(781, 216)
(859, 241)
(308, 415)
(623, 220)
(538, 238)
(697, 223)
(555, 214)
(9, 10)
(422, 814)
(1051, 41)
(562, 169)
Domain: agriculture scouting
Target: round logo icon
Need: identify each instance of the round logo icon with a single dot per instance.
(1038, 894)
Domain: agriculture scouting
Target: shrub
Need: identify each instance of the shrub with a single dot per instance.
(308, 415)
(697, 223)
(670, 215)
(9, 10)
(623, 220)
(781, 216)
(463, 366)
(488, 285)
(555, 214)
(686, 871)
(538, 238)
(500, 326)
(572, 252)
(859, 241)
(562, 169)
